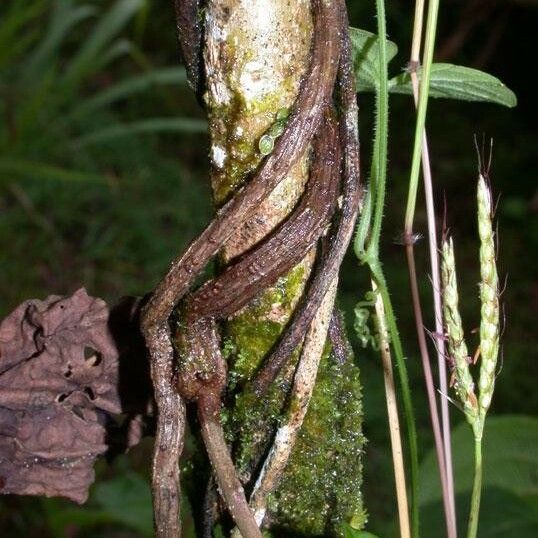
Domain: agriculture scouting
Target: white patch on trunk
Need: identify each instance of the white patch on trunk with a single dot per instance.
(218, 156)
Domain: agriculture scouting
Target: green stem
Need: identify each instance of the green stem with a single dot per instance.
(429, 44)
(477, 490)
(382, 129)
(370, 254)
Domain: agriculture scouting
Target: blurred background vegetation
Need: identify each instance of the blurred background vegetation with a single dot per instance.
(103, 179)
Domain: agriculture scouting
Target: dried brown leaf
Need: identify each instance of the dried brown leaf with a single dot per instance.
(59, 384)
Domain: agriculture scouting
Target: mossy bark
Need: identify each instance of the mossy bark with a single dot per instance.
(255, 55)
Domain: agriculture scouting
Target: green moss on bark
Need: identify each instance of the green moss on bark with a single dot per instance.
(321, 487)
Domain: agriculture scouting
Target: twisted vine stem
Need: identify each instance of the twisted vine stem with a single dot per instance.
(200, 373)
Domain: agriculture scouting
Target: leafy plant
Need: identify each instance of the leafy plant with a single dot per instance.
(372, 56)
(50, 117)
(447, 81)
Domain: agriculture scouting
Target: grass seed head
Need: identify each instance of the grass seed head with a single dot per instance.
(489, 297)
(457, 347)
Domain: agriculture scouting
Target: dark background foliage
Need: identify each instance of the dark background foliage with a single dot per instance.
(83, 205)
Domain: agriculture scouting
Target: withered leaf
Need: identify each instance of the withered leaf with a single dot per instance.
(59, 379)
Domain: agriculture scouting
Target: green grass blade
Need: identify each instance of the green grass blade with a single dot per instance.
(13, 40)
(105, 30)
(131, 86)
(152, 125)
(21, 168)
(63, 19)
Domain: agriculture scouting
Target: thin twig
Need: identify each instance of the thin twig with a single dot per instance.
(229, 485)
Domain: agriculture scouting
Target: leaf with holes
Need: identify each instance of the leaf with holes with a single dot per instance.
(59, 376)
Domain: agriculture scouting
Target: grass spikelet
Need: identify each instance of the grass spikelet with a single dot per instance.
(489, 297)
(463, 381)
(475, 409)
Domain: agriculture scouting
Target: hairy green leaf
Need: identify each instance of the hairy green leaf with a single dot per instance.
(457, 82)
(365, 50)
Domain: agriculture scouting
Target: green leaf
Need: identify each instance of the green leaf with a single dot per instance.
(64, 18)
(105, 30)
(124, 500)
(462, 83)
(510, 458)
(502, 515)
(365, 51)
(17, 28)
(152, 125)
(127, 499)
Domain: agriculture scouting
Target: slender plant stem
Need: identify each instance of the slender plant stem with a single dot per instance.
(477, 490)
(442, 439)
(428, 377)
(371, 221)
(401, 368)
(392, 411)
(440, 342)
(381, 144)
(373, 254)
(429, 44)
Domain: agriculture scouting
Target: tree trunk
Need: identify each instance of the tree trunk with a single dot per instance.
(256, 52)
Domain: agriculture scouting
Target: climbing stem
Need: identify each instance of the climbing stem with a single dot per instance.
(367, 250)
(379, 166)
(221, 461)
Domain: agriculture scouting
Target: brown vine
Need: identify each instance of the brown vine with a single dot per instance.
(201, 369)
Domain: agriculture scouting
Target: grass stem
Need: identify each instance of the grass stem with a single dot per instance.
(442, 438)
(477, 490)
(392, 411)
